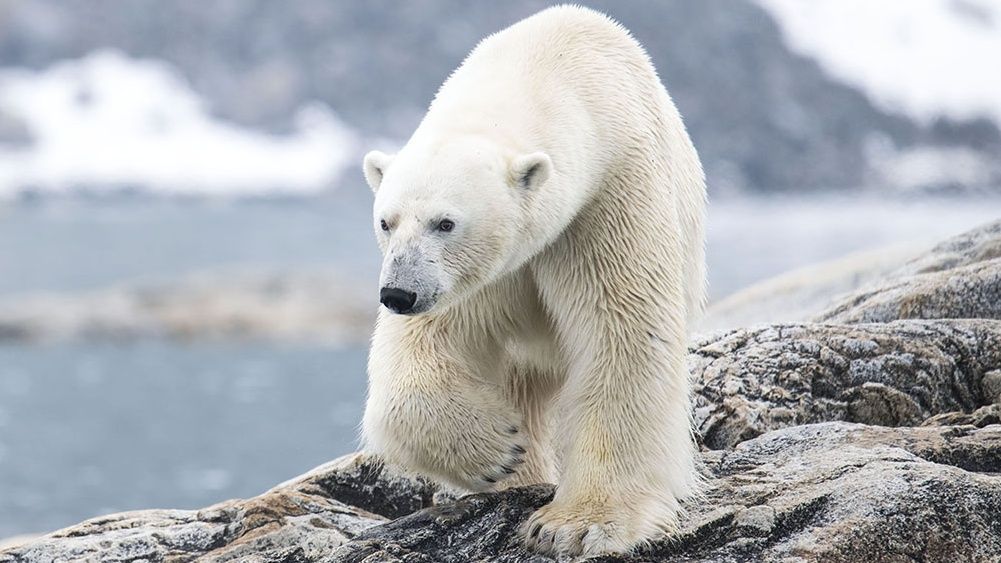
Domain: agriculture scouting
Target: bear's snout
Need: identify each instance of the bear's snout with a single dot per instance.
(397, 300)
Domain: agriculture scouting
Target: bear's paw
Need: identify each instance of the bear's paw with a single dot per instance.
(497, 463)
(590, 529)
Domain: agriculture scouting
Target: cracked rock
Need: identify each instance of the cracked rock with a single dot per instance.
(750, 381)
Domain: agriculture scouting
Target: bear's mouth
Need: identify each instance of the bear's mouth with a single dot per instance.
(423, 305)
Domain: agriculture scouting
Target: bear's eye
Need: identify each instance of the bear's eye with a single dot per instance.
(383, 225)
(446, 225)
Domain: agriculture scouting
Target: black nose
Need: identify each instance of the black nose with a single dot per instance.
(397, 300)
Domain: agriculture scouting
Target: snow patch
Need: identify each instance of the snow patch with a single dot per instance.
(108, 121)
(925, 58)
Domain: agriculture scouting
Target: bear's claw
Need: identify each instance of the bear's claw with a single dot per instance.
(579, 530)
(508, 467)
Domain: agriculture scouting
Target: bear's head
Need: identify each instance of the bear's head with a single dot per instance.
(449, 218)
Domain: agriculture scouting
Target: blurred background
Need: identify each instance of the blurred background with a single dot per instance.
(187, 266)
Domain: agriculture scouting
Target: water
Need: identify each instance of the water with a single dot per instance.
(58, 244)
(87, 429)
(92, 429)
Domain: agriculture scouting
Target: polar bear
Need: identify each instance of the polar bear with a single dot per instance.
(542, 233)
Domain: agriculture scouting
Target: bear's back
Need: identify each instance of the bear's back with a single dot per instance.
(568, 66)
(572, 42)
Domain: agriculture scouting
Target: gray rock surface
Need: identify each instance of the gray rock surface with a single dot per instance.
(805, 292)
(984, 416)
(792, 475)
(301, 520)
(907, 281)
(972, 291)
(830, 492)
(978, 245)
(750, 381)
(959, 278)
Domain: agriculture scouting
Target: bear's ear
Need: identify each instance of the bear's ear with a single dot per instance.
(376, 163)
(531, 170)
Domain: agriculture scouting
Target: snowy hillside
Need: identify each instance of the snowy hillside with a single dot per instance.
(927, 58)
(108, 121)
(788, 96)
(934, 61)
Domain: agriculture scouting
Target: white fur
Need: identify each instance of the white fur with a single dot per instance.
(554, 316)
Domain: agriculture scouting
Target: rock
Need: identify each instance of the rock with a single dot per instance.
(846, 492)
(14, 541)
(301, 520)
(979, 245)
(972, 291)
(750, 381)
(832, 491)
(481, 527)
(760, 518)
(984, 416)
(805, 292)
(960, 278)
(990, 386)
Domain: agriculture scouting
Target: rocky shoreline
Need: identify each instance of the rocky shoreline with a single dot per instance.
(870, 432)
(306, 306)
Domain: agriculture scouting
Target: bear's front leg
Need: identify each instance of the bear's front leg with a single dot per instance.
(628, 455)
(628, 460)
(436, 409)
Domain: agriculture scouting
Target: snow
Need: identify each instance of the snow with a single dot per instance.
(108, 121)
(924, 58)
